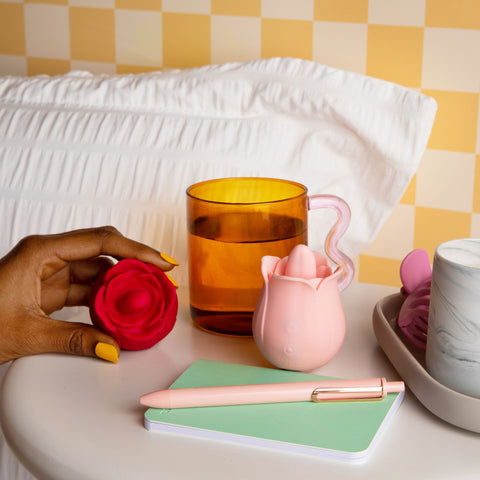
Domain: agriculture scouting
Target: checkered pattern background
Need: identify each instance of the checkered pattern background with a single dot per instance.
(429, 45)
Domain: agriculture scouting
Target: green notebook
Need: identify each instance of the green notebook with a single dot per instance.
(339, 430)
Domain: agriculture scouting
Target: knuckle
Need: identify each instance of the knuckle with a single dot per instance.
(105, 233)
(31, 241)
(76, 341)
(107, 230)
(31, 244)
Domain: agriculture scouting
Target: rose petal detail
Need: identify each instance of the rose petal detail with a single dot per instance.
(135, 303)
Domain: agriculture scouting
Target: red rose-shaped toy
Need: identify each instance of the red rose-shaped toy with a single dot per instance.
(135, 303)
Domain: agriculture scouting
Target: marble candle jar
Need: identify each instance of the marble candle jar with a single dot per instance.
(453, 339)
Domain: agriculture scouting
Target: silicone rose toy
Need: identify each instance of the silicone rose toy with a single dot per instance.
(299, 323)
(135, 303)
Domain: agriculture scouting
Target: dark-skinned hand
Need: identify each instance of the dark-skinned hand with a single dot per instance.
(44, 273)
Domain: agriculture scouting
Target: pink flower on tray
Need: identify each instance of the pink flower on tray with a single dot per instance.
(135, 303)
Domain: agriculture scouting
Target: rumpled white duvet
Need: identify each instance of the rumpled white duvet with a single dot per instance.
(80, 150)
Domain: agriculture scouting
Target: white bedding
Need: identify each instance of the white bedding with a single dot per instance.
(80, 150)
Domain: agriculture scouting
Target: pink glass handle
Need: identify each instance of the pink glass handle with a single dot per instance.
(334, 235)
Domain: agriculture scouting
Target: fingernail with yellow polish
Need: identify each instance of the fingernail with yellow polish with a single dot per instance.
(169, 259)
(175, 284)
(106, 351)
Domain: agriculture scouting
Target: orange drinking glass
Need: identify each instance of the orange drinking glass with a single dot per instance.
(232, 224)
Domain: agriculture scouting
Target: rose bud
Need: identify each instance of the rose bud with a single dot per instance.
(299, 322)
(135, 303)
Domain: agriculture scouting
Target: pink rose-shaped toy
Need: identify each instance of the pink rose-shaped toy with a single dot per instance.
(135, 303)
(299, 323)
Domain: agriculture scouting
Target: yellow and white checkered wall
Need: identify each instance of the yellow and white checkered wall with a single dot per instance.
(429, 45)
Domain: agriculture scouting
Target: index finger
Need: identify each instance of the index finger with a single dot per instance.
(92, 242)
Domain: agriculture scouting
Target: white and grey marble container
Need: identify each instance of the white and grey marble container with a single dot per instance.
(453, 339)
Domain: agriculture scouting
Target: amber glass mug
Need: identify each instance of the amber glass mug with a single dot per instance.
(232, 223)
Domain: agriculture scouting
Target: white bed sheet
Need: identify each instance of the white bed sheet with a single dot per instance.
(80, 150)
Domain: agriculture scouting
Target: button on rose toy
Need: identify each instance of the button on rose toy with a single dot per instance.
(135, 303)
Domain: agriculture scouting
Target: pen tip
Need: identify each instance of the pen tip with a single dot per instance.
(395, 387)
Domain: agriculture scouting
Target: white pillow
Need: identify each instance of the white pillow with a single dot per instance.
(82, 150)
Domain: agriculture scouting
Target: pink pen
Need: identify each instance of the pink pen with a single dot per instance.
(316, 391)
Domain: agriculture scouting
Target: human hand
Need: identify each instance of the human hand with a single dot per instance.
(44, 273)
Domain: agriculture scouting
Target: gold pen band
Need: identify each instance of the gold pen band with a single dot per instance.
(345, 394)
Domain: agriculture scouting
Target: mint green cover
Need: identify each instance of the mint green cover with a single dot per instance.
(341, 430)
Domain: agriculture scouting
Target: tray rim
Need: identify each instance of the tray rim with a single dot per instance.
(453, 407)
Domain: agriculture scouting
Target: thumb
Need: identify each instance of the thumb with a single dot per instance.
(56, 336)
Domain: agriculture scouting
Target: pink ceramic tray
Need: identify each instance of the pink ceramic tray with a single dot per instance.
(453, 407)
